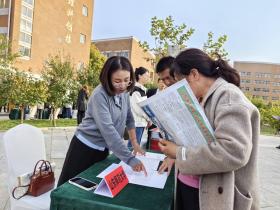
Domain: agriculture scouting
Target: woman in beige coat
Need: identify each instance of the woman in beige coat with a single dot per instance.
(222, 175)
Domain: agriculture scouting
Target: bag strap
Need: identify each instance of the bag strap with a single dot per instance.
(14, 190)
(44, 163)
(37, 165)
(50, 166)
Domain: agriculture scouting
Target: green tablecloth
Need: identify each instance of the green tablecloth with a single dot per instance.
(131, 197)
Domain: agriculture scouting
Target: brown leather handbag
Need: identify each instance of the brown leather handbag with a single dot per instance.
(41, 181)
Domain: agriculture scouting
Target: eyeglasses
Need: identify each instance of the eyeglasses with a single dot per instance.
(121, 84)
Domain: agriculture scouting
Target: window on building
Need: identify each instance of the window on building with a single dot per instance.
(277, 84)
(24, 37)
(265, 90)
(262, 75)
(265, 82)
(276, 91)
(277, 76)
(24, 51)
(244, 74)
(30, 2)
(247, 88)
(27, 12)
(123, 53)
(110, 54)
(4, 4)
(26, 25)
(246, 81)
(82, 38)
(85, 10)
(275, 98)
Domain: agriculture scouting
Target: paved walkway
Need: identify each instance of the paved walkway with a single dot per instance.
(57, 142)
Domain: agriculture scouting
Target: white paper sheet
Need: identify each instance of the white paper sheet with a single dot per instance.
(103, 189)
(153, 179)
(110, 168)
(151, 162)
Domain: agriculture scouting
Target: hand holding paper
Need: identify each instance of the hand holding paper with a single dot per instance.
(166, 164)
(168, 148)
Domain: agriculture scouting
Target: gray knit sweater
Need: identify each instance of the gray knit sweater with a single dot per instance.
(105, 120)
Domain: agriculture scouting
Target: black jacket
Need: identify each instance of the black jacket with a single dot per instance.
(82, 100)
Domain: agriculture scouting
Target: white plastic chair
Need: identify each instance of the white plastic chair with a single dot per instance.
(24, 145)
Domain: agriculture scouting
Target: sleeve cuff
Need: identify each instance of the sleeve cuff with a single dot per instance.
(181, 153)
(133, 161)
(130, 126)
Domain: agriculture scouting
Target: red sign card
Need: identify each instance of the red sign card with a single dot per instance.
(116, 180)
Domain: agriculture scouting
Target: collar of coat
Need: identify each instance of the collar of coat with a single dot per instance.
(219, 81)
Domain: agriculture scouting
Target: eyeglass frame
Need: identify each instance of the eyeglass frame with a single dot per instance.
(120, 84)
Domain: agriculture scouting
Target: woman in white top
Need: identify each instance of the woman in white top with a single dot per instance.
(137, 95)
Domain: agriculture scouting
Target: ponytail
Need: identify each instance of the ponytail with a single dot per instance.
(228, 73)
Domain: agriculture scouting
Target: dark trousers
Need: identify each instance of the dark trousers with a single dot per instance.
(187, 197)
(80, 116)
(68, 113)
(78, 158)
(39, 113)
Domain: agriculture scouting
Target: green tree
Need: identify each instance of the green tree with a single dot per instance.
(166, 33)
(6, 56)
(268, 117)
(90, 75)
(58, 73)
(215, 49)
(258, 102)
(26, 90)
(6, 84)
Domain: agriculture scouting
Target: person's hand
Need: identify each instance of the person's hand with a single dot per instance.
(137, 149)
(166, 164)
(140, 167)
(168, 148)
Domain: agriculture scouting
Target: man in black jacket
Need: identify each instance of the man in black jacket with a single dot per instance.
(82, 103)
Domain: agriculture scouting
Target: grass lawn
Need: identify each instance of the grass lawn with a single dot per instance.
(7, 124)
(266, 130)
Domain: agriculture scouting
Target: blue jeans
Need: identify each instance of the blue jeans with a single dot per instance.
(139, 134)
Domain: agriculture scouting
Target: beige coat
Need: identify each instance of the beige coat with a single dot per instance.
(228, 169)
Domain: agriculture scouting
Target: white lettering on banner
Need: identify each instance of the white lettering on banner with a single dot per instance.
(71, 2)
(70, 12)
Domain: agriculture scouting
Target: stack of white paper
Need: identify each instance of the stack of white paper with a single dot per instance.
(151, 163)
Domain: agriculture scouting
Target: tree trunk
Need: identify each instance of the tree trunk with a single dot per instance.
(53, 117)
(21, 114)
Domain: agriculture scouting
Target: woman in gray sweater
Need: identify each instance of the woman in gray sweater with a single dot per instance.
(106, 117)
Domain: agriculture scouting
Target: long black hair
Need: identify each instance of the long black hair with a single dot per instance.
(197, 59)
